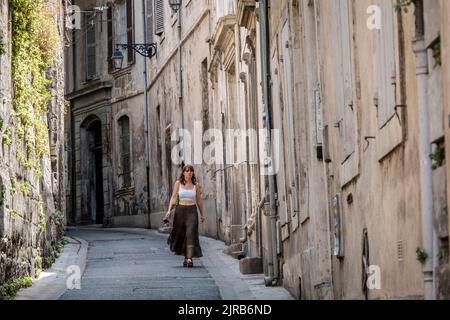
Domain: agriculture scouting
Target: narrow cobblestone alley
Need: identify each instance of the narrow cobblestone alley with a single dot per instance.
(122, 265)
(136, 264)
(296, 149)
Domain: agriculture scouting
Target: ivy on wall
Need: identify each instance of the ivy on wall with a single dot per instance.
(404, 4)
(2, 45)
(35, 42)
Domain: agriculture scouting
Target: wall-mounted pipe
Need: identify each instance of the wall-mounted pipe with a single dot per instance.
(426, 195)
(146, 119)
(73, 193)
(273, 269)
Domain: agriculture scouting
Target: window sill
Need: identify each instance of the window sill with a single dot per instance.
(93, 80)
(121, 72)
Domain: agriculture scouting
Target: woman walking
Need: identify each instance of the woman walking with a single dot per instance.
(183, 239)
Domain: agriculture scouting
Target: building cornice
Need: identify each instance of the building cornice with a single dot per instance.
(245, 8)
(223, 35)
(92, 88)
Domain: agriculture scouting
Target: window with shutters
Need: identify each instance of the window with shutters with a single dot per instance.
(90, 28)
(288, 116)
(346, 106)
(125, 152)
(344, 81)
(109, 16)
(149, 21)
(385, 69)
(159, 16)
(130, 28)
(391, 133)
(122, 29)
(280, 158)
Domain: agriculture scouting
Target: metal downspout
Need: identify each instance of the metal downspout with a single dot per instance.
(426, 194)
(273, 269)
(146, 120)
(72, 131)
(180, 81)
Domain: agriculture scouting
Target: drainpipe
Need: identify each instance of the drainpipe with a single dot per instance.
(260, 208)
(273, 269)
(146, 120)
(73, 201)
(180, 69)
(420, 51)
(180, 79)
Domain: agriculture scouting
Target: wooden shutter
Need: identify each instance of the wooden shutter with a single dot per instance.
(90, 47)
(385, 64)
(344, 80)
(279, 158)
(124, 124)
(291, 177)
(110, 37)
(159, 16)
(130, 35)
(149, 9)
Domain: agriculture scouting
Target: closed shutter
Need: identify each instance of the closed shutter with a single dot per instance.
(385, 64)
(149, 9)
(291, 177)
(124, 124)
(130, 35)
(344, 81)
(279, 158)
(159, 17)
(90, 47)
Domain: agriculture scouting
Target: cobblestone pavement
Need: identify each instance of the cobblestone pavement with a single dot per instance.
(123, 265)
(136, 264)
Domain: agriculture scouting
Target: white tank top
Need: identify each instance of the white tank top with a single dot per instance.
(188, 194)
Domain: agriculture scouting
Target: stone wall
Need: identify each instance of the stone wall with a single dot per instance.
(32, 199)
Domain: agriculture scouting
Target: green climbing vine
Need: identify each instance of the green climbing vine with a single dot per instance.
(2, 194)
(404, 4)
(34, 45)
(2, 45)
(6, 138)
(422, 255)
(35, 42)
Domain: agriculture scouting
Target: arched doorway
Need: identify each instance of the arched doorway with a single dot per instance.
(92, 171)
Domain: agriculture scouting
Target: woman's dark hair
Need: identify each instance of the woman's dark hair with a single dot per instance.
(187, 168)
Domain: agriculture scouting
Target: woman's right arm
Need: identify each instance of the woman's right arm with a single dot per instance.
(173, 197)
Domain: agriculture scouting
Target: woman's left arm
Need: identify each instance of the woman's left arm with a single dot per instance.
(201, 204)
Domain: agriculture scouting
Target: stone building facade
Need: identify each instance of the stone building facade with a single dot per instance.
(368, 118)
(352, 180)
(179, 98)
(32, 188)
(108, 180)
(354, 93)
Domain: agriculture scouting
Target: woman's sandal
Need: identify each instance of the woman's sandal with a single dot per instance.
(189, 263)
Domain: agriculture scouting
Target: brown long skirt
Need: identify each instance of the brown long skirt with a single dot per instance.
(183, 239)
